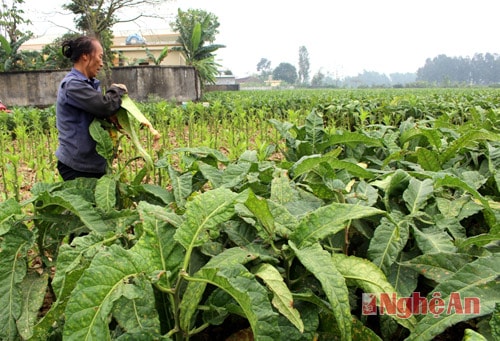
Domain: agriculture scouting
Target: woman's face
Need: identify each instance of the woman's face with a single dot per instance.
(93, 62)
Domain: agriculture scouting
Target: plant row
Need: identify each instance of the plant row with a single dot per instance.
(280, 249)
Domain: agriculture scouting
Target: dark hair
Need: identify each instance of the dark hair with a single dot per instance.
(75, 48)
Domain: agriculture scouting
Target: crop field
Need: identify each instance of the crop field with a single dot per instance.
(297, 215)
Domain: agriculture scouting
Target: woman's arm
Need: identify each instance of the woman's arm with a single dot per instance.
(83, 96)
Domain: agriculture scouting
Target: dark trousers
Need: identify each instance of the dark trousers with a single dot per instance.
(68, 173)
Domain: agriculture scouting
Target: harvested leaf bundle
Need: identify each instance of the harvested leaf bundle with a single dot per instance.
(125, 116)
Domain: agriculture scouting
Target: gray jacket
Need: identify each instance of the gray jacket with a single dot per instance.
(79, 101)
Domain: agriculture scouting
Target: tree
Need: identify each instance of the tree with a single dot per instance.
(52, 53)
(285, 72)
(317, 79)
(97, 17)
(11, 36)
(197, 30)
(264, 67)
(303, 65)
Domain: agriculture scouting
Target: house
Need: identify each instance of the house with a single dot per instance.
(131, 48)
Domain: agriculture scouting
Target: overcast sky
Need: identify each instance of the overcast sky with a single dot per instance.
(342, 37)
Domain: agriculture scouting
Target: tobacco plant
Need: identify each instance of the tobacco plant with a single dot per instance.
(276, 249)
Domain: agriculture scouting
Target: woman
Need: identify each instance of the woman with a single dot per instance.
(79, 101)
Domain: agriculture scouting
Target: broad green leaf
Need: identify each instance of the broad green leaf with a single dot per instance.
(157, 242)
(99, 287)
(196, 36)
(260, 209)
(284, 221)
(251, 296)
(348, 137)
(72, 261)
(34, 287)
(135, 311)
(105, 193)
(476, 281)
(104, 143)
(235, 174)
(315, 132)
(310, 317)
(8, 209)
(458, 208)
(83, 209)
(328, 220)
(211, 173)
(403, 279)
(451, 181)
(282, 297)
(13, 266)
(309, 162)
(387, 242)
(158, 192)
(181, 185)
(467, 139)
(438, 266)
(352, 168)
(203, 153)
(362, 332)
(432, 240)
(127, 115)
(479, 240)
(282, 189)
(433, 136)
(494, 163)
(329, 330)
(495, 322)
(417, 194)
(305, 203)
(320, 264)
(392, 185)
(363, 194)
(203, 214)
(473, 178)
(367, 276)
(428, 159)
(471, 335)
(5, 45)
(195, 289)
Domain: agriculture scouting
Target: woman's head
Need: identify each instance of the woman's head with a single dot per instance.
(86, 54)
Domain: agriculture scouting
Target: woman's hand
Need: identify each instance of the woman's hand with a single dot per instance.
(121, 86)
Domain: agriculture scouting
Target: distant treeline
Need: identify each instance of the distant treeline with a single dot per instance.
(481, 69)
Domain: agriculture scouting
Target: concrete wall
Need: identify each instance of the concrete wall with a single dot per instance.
(39, 88)
(222, 87)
